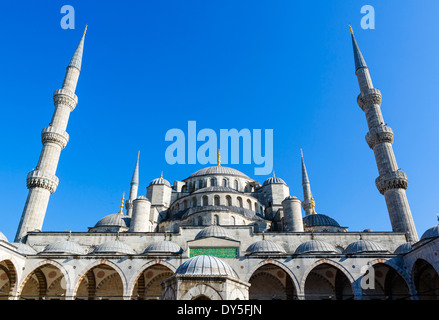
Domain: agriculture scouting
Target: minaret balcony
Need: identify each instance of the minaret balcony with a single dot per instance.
(39, 179)
(368, 98)
(65, 97)
(391, 180)
(379, 135)
(54, 135)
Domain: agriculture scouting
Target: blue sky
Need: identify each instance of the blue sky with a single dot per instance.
(150, 66)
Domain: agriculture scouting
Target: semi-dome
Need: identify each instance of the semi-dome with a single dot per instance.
(319, 219)
(160, 181)
(114, 220)
(315, 246)
(218, 170)
(215, 232)
(64, 247)
(163, 247)
(3, 237)
(404, 248)
(433, 232)
(205, 266)
(215, 189)
(364, 246)
(273, 180)
(112, 247)
(265, 246)
(24, 248)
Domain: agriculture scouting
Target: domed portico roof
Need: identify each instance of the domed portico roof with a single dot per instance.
(64, 247)
(218, 170)
(24, 248)
(205, 266)
(215, 232)
(265, 246)
(163, 247)
(432, 232)
(404, 248)
(111, 247)
(315, 246)
(364, 246)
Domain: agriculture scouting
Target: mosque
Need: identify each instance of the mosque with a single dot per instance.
(219, 234)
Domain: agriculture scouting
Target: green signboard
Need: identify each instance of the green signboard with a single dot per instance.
(216, 252)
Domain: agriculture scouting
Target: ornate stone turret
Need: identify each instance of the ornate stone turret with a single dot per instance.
(42, 181)
(134, 188)
(308, 201)
(392, 182)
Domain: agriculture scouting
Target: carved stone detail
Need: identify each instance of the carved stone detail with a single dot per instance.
(39, 179)
(54, 135)
(65, 97)
(378, 135)
(368, 98)
(392, 180)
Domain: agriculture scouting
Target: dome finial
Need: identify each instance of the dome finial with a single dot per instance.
(219, 158)
(350, 28)
(273, 174)
(85, 30)
(313, 205)
(121, 203)
(161, 175)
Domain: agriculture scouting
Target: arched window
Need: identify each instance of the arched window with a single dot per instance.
(239, 202)
(233, 220)
(184, 188)
(249, 203)
(194, 202)
(177, 207)
(225, 184)
(216, 220)
(229, 201)
(236, 185)
(212, 182)
(217, 200)
(256, 207)
(184, 204)
(205, 201)
(200, 221)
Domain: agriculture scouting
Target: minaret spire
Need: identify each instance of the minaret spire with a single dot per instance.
(42, 181)
(392, 182)
(308, 201)
(134, 188)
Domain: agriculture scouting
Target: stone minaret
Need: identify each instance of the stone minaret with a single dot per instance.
(392, 182)
(308, 201)
(134, 188)
(42, 181)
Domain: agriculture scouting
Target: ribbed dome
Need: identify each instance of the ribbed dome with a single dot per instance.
(3, 237)
(433, 232)
(213, 231)
(115, 246)
(115, 219)
(160, 181)
(265, 246)
(24, 248)
(319, 220)
(315, 246)
(404, 248)
(205, 266)
(64, 247)
(218, 170)
(163, 247)
(215, 189)
(273, 180)
(364, 246)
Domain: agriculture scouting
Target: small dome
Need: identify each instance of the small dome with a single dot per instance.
(163, 247)
(433, 232)
(215, 232)
(404, 248)
(215, 189)
(364, 246)
(291, 198)
(218, 170)
(3, 237)
(265, 246)
(64, 247)
(142, 198)
(160, 181)
(273, 180)
(206, 266)
(315, 246)
(114, 220)
(24, 248)
(319, 219)
(116, 246)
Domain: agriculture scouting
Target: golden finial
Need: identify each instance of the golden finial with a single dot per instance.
(350, 28)
(219, 158)
(313, 205)
(273, 174)
(301, 152)
(85, 30)
(121, 203)
(161, 175)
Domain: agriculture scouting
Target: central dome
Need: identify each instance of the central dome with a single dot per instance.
(218, 170)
